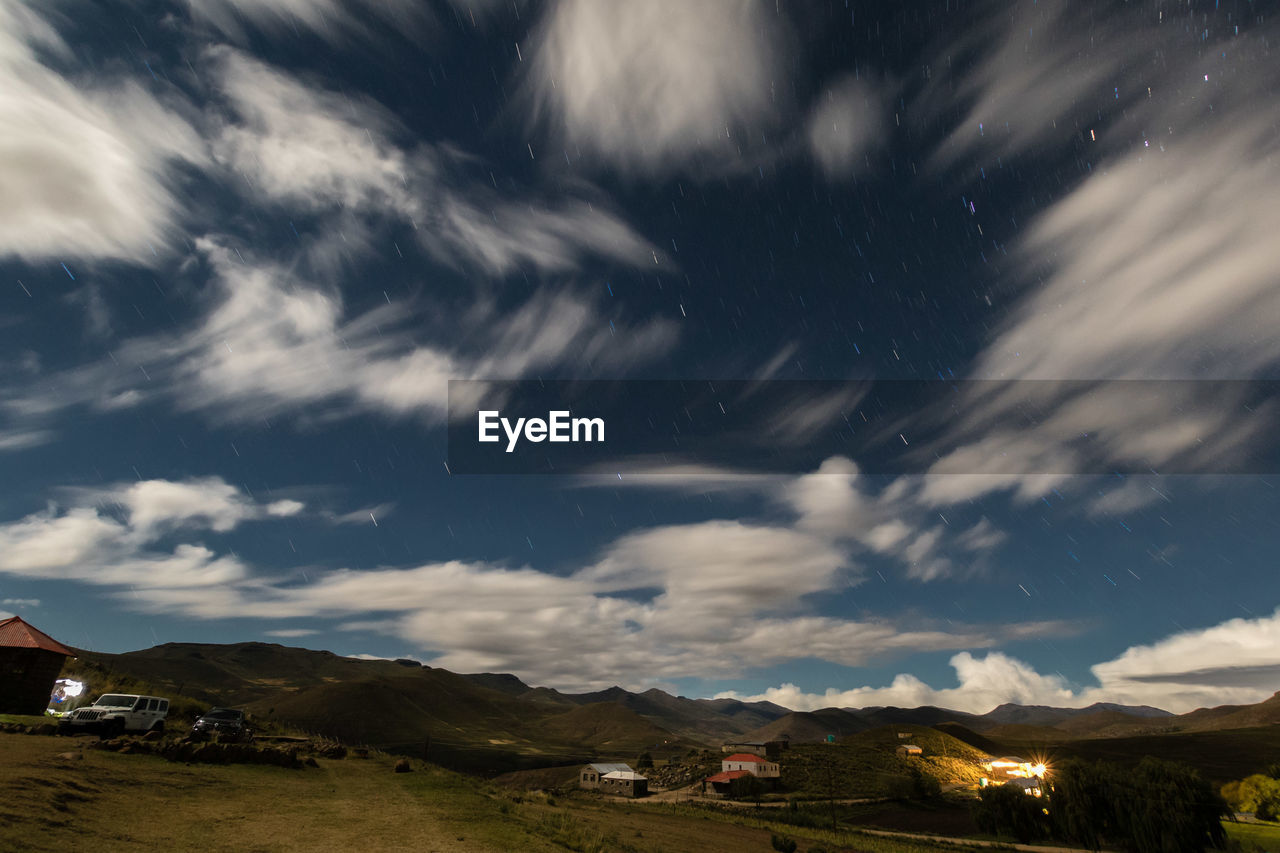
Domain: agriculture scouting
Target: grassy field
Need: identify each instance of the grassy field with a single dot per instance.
(107, 802)
(1255, 836)
(867, 764)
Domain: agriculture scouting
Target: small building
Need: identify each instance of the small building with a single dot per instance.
(30, 661)
(1031, 787)
(1012, 768)
(722, 782)
(591, 776)
(904, 735)
(907, 750)
(624, 783)
(755, 747)
(755, 765)
(766, 748)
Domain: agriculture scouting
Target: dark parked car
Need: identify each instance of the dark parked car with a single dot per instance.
(227, 723)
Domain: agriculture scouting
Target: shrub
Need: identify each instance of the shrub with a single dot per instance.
(783, 844)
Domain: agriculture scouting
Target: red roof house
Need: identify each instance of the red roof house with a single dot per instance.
(30, 661)
(722, 782)
(753, 764)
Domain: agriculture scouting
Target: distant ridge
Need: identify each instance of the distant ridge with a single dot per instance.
(498, 714)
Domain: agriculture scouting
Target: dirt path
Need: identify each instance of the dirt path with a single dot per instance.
(1029, 848)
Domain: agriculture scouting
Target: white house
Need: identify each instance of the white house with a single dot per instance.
(591, 776)
(753, 764)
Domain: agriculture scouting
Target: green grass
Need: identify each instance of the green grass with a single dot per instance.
(26, 719)
(1254, 836)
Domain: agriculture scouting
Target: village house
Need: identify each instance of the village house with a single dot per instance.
(765, 748)
(722, 782)
(759, 767)
(737, 766)
(591, 775)
(907, 750)
(30, 661)
(624, 783)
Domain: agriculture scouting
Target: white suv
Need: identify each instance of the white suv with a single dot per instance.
(113, 713)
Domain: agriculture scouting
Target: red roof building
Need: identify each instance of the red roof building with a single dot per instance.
(18, 634)
(30, 661)
(753, 764)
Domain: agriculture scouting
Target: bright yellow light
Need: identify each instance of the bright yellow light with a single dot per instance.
(1038, 771)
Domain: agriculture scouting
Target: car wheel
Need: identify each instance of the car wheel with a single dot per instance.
(158, 726)
(114, 728)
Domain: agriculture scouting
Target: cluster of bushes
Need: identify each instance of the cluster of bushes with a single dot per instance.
(1259, 794)
(208, 752)
(1156, 807)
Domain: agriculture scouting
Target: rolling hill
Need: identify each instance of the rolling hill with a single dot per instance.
(495, 721)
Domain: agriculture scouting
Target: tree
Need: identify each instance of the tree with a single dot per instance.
(645, 761)
(1081, 803)
(1169, 808)
(1258, 794)
(746, 787)
(1008, 810)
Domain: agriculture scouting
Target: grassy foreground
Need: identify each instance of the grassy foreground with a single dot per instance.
(106, 801)
(1255, 836)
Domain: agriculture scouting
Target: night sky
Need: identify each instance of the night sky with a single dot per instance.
(244, 245)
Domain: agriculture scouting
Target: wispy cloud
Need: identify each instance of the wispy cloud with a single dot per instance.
(299, 144)
(87, 166)
(1159, 264)
(333, 20)
(22, 439)
(272, 343)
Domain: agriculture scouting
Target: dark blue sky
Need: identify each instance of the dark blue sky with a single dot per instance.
(245, 245)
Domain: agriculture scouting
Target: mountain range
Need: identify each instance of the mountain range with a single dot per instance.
(496, 721)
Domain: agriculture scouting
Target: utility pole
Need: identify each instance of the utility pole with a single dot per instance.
(831, 790)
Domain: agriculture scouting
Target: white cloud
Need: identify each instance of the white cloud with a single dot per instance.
(663, 603)
(1235, 662)
(984, 683)
(86, 165)
(109, 537)
(843, 125)
(292, 632)
(658, 86)
(320, 151)
(838, 506)
(284, 508)
(20, 602)
(208, 503)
